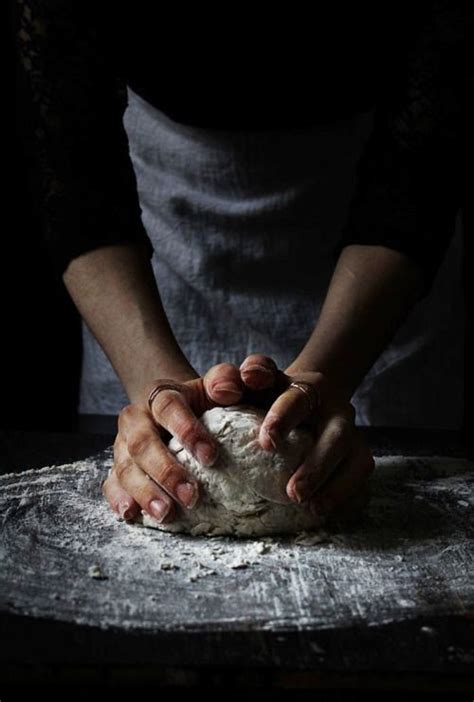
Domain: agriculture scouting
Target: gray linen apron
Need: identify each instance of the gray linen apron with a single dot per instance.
(244, 225)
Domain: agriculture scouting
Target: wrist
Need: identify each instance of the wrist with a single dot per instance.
(333, 381)
(371, 291)
(115, 291)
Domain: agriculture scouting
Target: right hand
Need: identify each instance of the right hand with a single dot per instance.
(145, 474)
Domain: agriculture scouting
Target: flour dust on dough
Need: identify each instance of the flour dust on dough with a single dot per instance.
(244, 492)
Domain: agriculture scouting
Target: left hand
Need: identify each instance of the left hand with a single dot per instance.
(333, 478)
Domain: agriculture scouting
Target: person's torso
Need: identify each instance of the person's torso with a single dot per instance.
(244, 225)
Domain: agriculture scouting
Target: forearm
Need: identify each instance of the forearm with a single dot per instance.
(114, 289)
(372, 290)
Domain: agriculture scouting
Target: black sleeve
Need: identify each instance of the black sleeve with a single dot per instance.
(88, 193)
(411, 177)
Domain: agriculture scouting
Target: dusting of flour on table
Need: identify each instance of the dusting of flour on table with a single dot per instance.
(66, 556)
(244, 492)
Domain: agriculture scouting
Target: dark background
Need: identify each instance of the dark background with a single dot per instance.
(42, 331)
(41, 347)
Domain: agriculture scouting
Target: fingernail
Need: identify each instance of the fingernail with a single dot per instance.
(125, 511)
(206, 453)
(159, 509)
(187, 494)
(230, 388)
(257, 367)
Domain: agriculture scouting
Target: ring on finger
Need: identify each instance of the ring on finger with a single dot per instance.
(163, 385)
(313, 396)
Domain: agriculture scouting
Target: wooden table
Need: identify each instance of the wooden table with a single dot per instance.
(389, 605)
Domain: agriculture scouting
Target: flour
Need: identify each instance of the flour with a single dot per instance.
(244, 492)
(408, 557)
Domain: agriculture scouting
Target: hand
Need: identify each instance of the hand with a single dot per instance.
(145, 474)
(333, 478)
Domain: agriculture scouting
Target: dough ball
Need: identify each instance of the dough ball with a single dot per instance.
(244, 492)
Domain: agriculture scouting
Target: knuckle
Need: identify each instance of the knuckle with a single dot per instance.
(189, 433)
(339, 430)
(318, 379)
(164, 401)
(121, 467)
(334, 434)
(138, 442)
(125, 417)
(167, 473)
(127, 412)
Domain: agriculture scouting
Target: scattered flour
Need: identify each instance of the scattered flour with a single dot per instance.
(66, 556)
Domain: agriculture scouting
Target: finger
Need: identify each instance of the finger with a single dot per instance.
(345, 482)
(121, 502)
(171, 410)
(288, 411)
(259, 371)
(332, 445)
(223, 384)
(146, 449)
(151, 498)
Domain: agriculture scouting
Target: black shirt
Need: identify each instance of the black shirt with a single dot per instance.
(236, 71)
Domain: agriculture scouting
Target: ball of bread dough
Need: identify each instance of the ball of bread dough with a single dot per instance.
(244, 492)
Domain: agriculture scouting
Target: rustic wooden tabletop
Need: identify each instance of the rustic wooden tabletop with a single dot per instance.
(386, 603)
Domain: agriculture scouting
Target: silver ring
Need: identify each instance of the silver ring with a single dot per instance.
(314, 398)
(165, 385)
